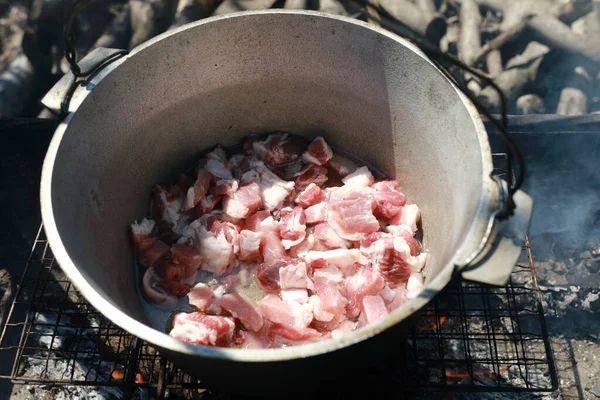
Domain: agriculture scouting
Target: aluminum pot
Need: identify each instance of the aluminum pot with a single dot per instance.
(367, 91)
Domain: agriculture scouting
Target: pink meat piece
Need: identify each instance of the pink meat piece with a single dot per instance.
(409, 215)
(343, 328)
(218, 169)
(167, 202)
(242, 308)
(328, 326)
(279, 333)
(274, 190)
(154, 255)
(202, 329)
(318, 152)
(226, 187)
(310, 196)
(342, 166)
(400, 297)
(332, 300)
(244, 202)
(291, 314)
(363, 283)
(316, 213)
(303, 248)
(361, 177)
(373, 308)
(271, 246)
(260, 339)
(329, 237)
(154, 292)
(188, 257)
(207, 204)
(201, 296)
(414, 286)
(342, 258)
(249, 245)
(230, 230)
(350, 212)
(299, 295)
(387, 294)
(253, 222)
(403, 232)
(329, 272)
(388, 198)
(311, 174)
(197, 192)
(218, 154)
(141, 232)
(292, 226)
(293, 275)
(217, 251)
(268, 276)
(279, 148)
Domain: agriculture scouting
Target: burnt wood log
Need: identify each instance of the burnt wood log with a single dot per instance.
(531, 104)
(296, 4)
(149, 18)
(230, 6)
(118, 34)
(17, 86)
(520, 70)
(469, 43)
(192, 10)
(493, 62)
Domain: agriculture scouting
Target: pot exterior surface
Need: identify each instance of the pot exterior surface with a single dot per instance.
(366, 91)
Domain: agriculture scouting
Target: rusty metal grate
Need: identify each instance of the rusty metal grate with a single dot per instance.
(473, 338)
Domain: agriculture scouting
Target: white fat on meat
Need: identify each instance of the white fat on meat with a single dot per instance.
(329, 237)
(299, 295)
(330, 272)
(293, 276)
(274, 189)
(188, 201)
(171, 208)
(218, 169)
(249, 244)
(414, 286)
(291, 314)
(217, 252)
(350, 212)
(303, 248)
(292, 226)
(317, 213)
(408, 216)
(343, 328)
(361, 177)
(417, 263)
(342, 258)
(144, 228)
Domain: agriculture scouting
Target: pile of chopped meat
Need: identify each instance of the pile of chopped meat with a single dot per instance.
(280, 244)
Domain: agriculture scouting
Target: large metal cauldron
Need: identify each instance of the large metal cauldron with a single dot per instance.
(369, 92)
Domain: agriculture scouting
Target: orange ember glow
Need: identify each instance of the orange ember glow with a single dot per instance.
(430, 324)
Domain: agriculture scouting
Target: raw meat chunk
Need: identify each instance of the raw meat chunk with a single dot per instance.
(274, 189)
(342, 165)
(279, 148)
(373, 308)
(201, 296)
(311, 174)
(242, 308)
(299, 295)
(360, 177)
(244, 202)
(318, 152)
(271, 246)
(187, 256)
(249, 245)
(350, 212)
(292, 226)
(226, 187)
(388, 198)
(409, 215)
(216, 250)
(154, 255)
(199, 328)
(291, 314)
(316, 213)
(218, 169)
(153, 292)
(341, 258)
(293, 275)
(363, 283)
(303, 248)
(310, 196)
(329, 237)
(141, 233)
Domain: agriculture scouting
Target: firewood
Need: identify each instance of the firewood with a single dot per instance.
(493, 62)
(230, 6)
(17, 85)
(296, 4)
(531, 104)
(332, 7)
(470, 38)
(520, 70)
(150, 18)
(118, 33)
(407, 13)
(192, 10)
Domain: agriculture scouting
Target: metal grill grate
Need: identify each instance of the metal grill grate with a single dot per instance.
(472, 338)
